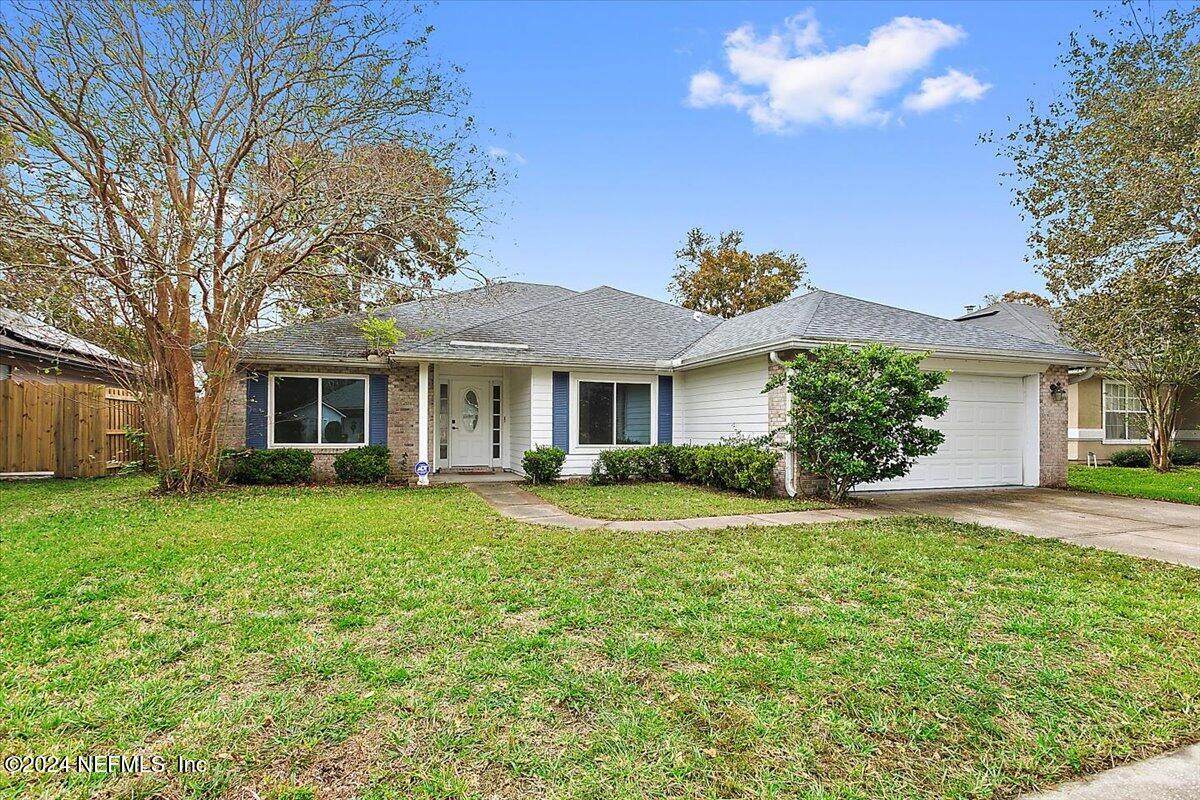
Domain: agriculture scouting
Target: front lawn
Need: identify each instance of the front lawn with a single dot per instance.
(1180, 485)
(661, 501)
(405, 643)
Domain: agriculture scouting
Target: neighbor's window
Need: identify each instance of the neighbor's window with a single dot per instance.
(1124, 416)
(614, 413)
(316, 410)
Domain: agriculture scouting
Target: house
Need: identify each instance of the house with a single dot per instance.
(485, 374)
(1103, 414)
(31, 350)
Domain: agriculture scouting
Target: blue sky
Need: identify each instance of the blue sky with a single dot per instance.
(822, 140)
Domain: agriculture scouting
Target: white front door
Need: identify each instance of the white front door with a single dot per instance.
(470, 424)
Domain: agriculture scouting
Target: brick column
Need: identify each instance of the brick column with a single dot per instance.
(1052, 428)
(402, 420)
(806, 485)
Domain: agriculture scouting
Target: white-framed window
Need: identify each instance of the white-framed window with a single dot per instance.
(317, 410)
(1124, 415)
(613, 413)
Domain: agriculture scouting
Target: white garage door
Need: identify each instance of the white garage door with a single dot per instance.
(984, 429)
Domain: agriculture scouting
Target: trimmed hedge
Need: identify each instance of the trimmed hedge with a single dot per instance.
(269, 466)
(1185, 457)
(363, 464)
(1140, 457)
(543, 464)
(741, 467)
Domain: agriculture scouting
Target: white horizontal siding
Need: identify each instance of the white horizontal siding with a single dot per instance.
(724, 400)
(517, 385)
(540, 406)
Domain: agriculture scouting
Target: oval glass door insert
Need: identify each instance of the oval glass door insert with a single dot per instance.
(470, 412)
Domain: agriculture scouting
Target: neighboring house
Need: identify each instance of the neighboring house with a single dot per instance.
(1103, 413)
(484, 375)
(31, 350)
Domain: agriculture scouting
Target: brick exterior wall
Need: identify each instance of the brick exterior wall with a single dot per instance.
(807, 485)
(1052, 428)
(401, 427)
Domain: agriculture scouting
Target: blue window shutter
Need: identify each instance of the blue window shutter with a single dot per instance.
(256, 410)
(560, 435)
(665, 393)
(377, 398)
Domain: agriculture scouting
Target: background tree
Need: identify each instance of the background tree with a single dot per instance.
(1017, 296)
(723, 279)
(1109, 177)
(855, 414)
(192, 165)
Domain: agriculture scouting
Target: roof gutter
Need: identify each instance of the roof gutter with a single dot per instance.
(1082, 375)
(321, 361)
(789, 458)
(1082, 359)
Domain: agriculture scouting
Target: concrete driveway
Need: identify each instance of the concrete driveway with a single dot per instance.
(1148, 528)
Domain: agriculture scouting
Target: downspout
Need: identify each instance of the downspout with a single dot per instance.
(789, 458)
(1080, 377)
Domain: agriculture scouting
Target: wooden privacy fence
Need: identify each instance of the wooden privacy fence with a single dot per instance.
(73, 430)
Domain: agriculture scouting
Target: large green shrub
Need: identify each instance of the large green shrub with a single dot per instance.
(744, 467)
(368, 464)
(543, 464)
(282, 466)
(856, 415)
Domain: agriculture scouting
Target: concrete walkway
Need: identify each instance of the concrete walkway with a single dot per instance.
(1130, 525)
(1148, 528)
(1172, 776)
(516, 503)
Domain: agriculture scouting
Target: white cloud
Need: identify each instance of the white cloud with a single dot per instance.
(953, 87)
(789, 78)
(500, 154)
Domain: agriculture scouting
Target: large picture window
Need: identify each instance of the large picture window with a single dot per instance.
(614, 413)
(1124, 416)
(317, 410)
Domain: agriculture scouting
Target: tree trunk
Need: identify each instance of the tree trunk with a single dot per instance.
(1162, 417)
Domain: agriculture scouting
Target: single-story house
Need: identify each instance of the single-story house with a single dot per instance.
(31, 350)
(1103, 413)
(486, 374)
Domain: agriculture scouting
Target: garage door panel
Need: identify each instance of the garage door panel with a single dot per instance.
(984, 429)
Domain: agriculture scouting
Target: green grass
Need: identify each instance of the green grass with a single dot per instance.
(661, 501)
(1180, 485)
(404, 643)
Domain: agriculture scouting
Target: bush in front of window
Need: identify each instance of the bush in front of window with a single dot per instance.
(257, 467)
(543, 464)
(1132, 457)
(1185, 457)
(368, 464)
(1140, 457)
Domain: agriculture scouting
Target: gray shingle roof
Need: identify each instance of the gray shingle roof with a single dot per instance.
(1019, 319)
(602, 325)
(553, 325)
(421, 320)
(825, 316)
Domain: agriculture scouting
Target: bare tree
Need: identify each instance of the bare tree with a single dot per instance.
(191, 164)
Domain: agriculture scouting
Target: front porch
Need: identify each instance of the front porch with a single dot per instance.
(449, 477)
